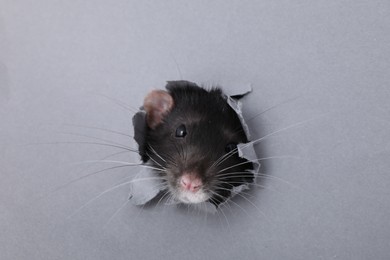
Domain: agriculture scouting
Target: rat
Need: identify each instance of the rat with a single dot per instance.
(191, 136)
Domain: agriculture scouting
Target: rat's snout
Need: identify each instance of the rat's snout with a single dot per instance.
(190, 182)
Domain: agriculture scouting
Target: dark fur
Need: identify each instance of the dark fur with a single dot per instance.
(211, 125)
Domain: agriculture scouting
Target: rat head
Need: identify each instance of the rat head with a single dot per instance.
(192, 136)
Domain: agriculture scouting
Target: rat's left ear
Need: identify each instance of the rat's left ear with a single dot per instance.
(157, 104)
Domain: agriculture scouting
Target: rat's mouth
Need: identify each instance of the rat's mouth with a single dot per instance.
(192, 197)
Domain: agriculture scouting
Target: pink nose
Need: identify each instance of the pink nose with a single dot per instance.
(190, 183)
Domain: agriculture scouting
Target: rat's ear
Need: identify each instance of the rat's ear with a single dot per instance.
(157, 104)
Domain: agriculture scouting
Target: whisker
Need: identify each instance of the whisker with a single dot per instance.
(177, 66)
(274, 106)
(248, 174)
(95, 198)
(104, 158)
(122, 163)
(249, 184)
(84, 177)
(284, 129)
(98, 196)
(81, 178)
(245, 173)
(154, 151)
(266, 136)
(119, 103)
(278, 157)
(261, 159)
(166, 193)
(242, 192)
(227, 221)
(99, 128)
(72, 142)
(146, 179)
(100, 139)
(162, 167)
(279, 179)
(170, 199)
(259, 175)
(115, 213)
(223, 158)
(233, 203)
(235, 165)
(215, 203)
(108, 161)
(235, 174)
(262, 213)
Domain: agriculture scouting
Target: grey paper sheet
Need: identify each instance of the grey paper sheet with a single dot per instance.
(73, 73)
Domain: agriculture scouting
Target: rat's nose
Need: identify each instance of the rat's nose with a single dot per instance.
(190, 182)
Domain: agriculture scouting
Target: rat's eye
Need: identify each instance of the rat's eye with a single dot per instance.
(181, 131)
(230, 147)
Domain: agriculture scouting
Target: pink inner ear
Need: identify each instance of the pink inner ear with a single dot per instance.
(157, 104)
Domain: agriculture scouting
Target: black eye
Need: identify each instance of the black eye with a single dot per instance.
(230, 147)
(181, 131)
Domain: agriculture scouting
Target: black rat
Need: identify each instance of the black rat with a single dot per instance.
(191, 136)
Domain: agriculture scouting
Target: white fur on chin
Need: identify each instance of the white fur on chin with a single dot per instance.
(191, 197)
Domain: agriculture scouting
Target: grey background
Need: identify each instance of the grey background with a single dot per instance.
(322, 63)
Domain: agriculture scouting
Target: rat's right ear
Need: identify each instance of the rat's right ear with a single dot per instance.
(157, 104)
